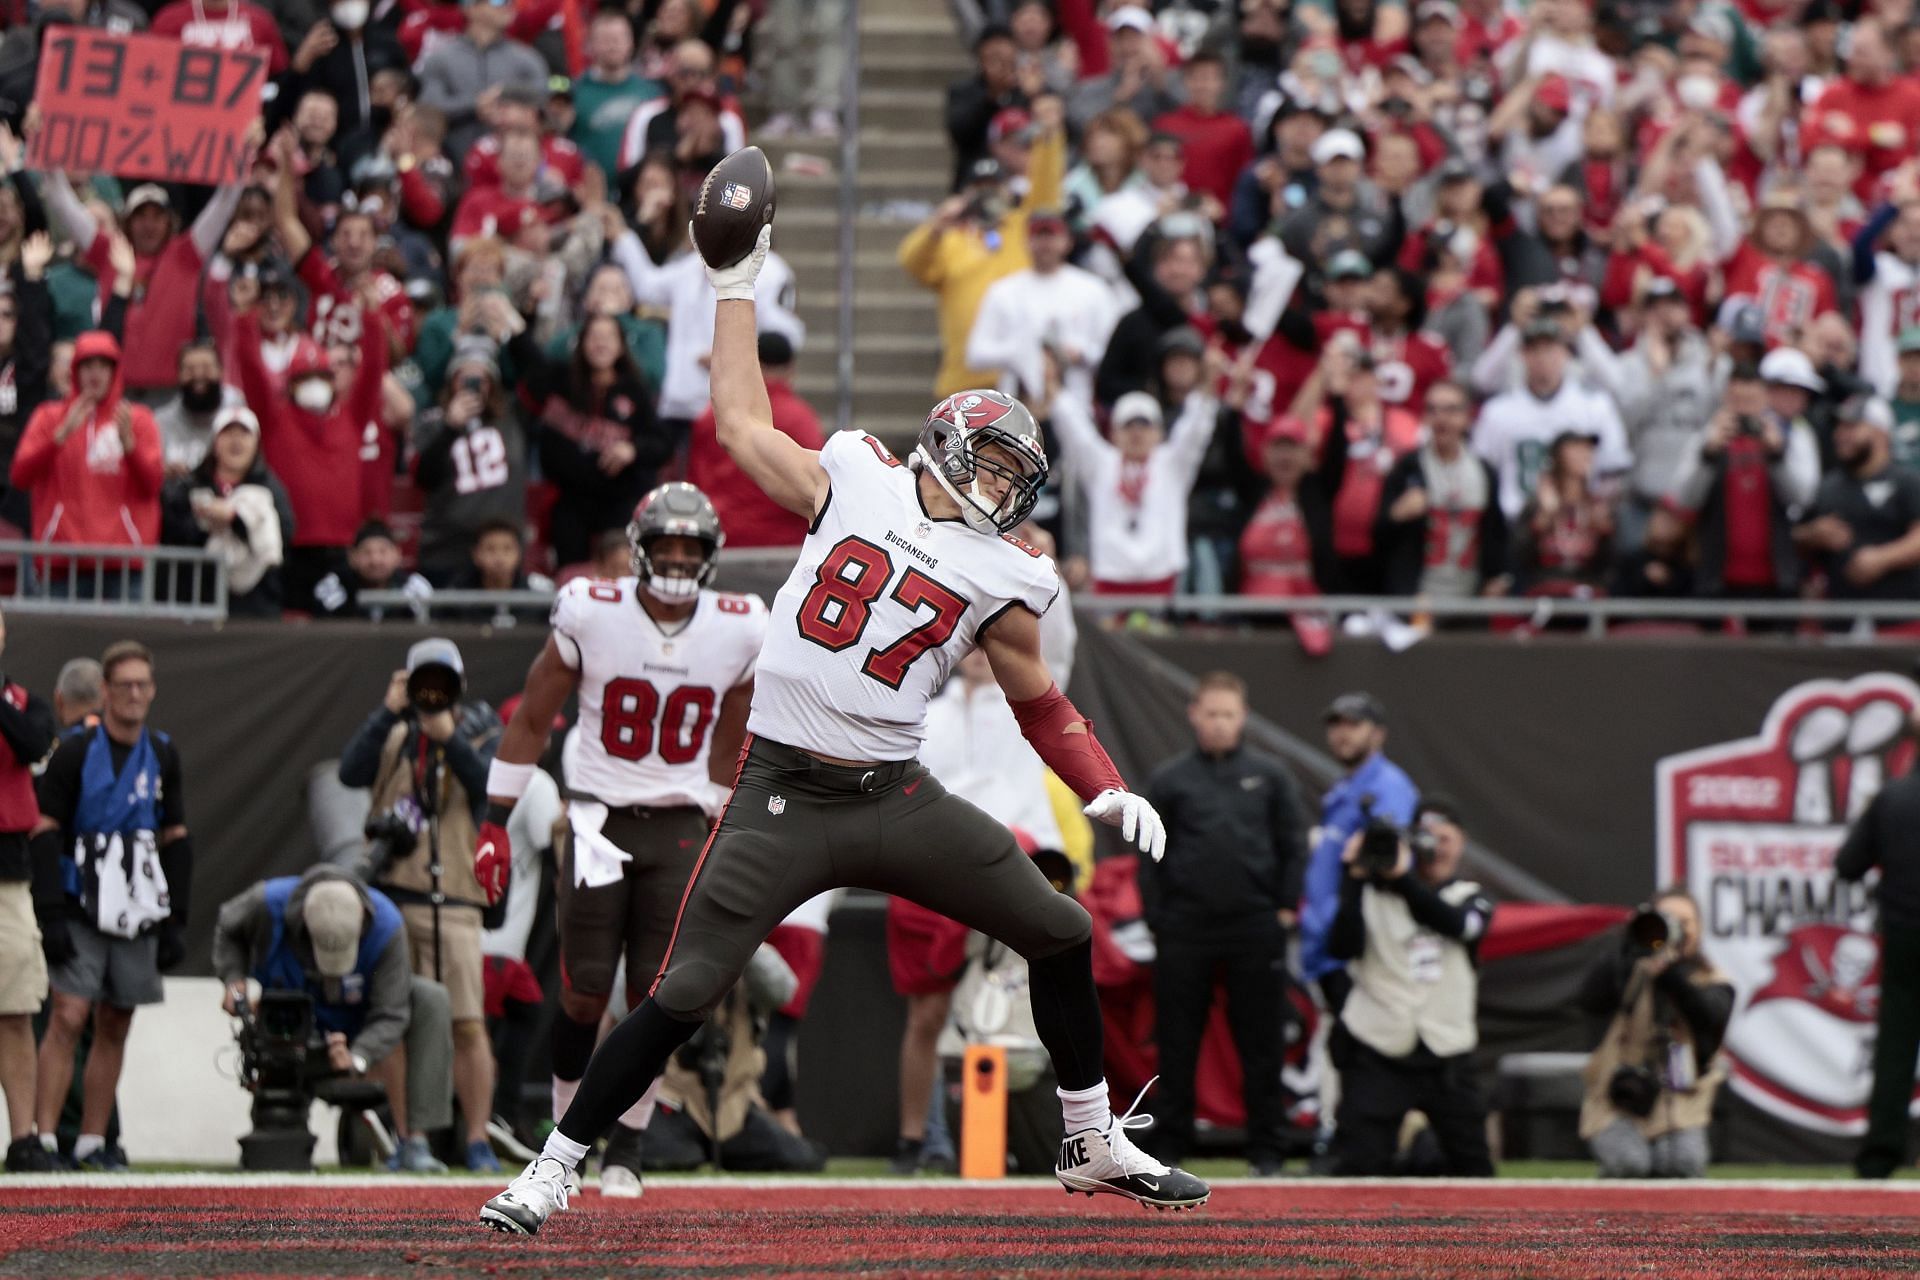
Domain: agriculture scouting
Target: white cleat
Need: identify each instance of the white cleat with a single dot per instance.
(1105, 1161)
(617, 1182)
(533, 1197)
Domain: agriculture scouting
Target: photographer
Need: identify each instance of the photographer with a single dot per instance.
(428, 783)
(1651, 1081)
(1410, 933)
(344, 945)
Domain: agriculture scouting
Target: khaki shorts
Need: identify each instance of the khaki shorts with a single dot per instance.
(23, 969)
(459, 955)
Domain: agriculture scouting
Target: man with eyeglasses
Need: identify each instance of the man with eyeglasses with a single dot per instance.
(1441, 531)
(113, 792)
(656, 125)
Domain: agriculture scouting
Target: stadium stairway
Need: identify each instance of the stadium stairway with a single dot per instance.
(908, 55)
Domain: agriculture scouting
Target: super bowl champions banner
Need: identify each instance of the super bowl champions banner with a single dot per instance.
(1752, 827)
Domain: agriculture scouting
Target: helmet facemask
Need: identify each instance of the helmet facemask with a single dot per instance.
(670, 588)
(957, 457)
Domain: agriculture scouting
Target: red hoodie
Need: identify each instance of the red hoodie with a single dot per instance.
(87, 489)
(316, 455)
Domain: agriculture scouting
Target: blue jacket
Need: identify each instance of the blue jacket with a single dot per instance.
(1395, 797)
(281, 967)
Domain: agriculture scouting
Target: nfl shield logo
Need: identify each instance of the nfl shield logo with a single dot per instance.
(923, 529)
(776, 805)
(736, 197)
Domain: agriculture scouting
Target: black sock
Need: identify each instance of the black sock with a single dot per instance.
(572, 1046)
(1066, 1015)
(627, 1061)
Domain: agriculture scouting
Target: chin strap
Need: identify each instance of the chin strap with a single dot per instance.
(1064, 741)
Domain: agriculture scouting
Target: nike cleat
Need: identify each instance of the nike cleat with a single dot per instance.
(1105, 1161)
(533, 1197)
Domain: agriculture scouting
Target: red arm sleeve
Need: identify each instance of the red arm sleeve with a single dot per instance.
(34, 457)
(1064, 741)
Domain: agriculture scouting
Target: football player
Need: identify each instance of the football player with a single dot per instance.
(906, 568)
(664, 671)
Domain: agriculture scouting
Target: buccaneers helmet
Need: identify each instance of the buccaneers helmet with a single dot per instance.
(952, 448)
(675, 510)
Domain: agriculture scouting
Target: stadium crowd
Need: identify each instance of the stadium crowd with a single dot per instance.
(1450, 299)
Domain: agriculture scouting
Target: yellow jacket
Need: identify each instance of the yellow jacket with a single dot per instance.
(960, 264)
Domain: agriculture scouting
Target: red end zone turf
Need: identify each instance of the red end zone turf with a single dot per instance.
(327, 1228)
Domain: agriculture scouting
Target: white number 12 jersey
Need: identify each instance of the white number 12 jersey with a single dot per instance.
(882, 603)
(648, 696)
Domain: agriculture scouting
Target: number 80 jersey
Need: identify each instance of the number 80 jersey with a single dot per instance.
(648, 696)
(882, 603)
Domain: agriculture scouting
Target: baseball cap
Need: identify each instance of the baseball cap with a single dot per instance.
(274, 276)
(1791, 368)
(1562, 436)
(1359, 707)
(144, 194)
(436, 676)
(1711, 25)
(333, 913)
(1349, 264)
(775, 349)
(1338, 144)
(1051, 218)
(237, 415)
(1909, 341)
(1454, 169)
(476, 349)
(1870, 410)
(1441, 10)
(1184, 338)
(1744, 321)
(985, 169)
(1130, 17)
(1010, 122)
(1136, 406)
(1287, 429)
(1554, 92)
(372, 529)
(435, 651)
(1662, 289)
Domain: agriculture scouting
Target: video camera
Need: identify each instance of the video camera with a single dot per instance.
(283, 1064)
(1380, 840)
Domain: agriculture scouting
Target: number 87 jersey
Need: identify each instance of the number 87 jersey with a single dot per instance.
(882, 604)
(649, 696)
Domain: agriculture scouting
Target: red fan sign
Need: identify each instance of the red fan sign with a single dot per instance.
(144, 107)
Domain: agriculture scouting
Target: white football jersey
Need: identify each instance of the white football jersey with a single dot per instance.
(649, 696)
(882, 603)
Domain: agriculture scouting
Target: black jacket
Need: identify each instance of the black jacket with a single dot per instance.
(970, 110)
(1403, 543)
(1236, 846)
(1887, 836)
(178, 528)
(1464, 922)
(1133, 351)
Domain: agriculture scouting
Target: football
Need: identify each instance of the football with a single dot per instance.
(735, 201)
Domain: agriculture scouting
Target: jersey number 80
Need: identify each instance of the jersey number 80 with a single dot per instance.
(852, 576)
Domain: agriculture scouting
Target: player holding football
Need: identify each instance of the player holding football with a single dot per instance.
(664, 671)
(905, 570)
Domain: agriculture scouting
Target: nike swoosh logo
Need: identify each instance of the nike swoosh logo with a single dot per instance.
(910, 788)
(1149, 1184)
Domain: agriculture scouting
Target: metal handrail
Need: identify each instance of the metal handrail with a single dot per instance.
(849, 241)
(118, 581)
(1597, 611)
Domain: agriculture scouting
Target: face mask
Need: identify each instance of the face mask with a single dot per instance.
(200, 397)
(1697, 93)
(350, 15)
(313, 395)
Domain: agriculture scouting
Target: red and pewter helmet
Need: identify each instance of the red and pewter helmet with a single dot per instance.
(675, 510)
(952, 450)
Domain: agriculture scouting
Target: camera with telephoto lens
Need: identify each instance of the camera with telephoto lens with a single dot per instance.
(283, 1064)
(1652, 931)
(1380, 839)
(391, 836)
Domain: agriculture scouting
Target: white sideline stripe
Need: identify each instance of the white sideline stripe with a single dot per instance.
(1837, 1187)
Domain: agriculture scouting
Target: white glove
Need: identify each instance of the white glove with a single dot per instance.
(1139, 824)
(735, 283)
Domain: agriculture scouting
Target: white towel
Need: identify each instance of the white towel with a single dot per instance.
(597, 860)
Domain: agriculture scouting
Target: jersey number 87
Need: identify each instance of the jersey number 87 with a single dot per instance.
(851, 577)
